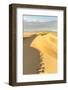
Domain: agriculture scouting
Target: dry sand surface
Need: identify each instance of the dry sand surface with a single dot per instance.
(45, 60)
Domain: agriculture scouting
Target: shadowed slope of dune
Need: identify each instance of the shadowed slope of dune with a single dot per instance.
(31, 62)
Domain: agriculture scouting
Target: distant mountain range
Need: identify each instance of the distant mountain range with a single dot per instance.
(37, 26)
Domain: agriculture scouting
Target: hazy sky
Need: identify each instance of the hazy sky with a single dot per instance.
(39, 18)
(40, 23)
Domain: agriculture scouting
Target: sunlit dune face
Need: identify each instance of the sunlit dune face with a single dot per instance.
(47, 46)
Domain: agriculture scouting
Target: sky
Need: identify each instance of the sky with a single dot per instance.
(38, 18)
(40, 23)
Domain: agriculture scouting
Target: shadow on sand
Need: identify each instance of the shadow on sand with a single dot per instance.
(31, 57)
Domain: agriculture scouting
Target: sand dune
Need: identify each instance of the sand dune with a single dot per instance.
(47, 46)
(29, 34)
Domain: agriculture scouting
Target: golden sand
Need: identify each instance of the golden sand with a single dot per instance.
(47, 46)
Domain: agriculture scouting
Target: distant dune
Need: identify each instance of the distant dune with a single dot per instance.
(28, 34)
